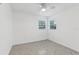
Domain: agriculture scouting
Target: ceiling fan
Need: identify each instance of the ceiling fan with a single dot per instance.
(44, 6)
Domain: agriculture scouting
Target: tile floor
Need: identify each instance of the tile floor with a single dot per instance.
(44, 47)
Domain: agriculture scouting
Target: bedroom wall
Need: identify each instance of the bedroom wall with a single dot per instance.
(5, 29)
(67, 32)
(26, 28)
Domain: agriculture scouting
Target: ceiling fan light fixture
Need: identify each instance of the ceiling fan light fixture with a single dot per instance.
(43, 9)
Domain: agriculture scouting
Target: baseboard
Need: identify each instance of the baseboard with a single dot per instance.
(9, 50)
(27, 42)
(64, 45)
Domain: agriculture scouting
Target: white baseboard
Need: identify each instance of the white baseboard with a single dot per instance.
(68, 46)
(9, 50)
(27, 41)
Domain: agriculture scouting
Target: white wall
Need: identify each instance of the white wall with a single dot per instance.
(67, 32)
(5, 29)
(26, 28)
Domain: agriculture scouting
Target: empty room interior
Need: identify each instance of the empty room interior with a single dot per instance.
(39, 28)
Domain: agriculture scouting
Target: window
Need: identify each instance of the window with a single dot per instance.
(52, 24)
(42, 24)
(46, 22)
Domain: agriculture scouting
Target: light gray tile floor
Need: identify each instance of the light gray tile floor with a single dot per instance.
(44, 47)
